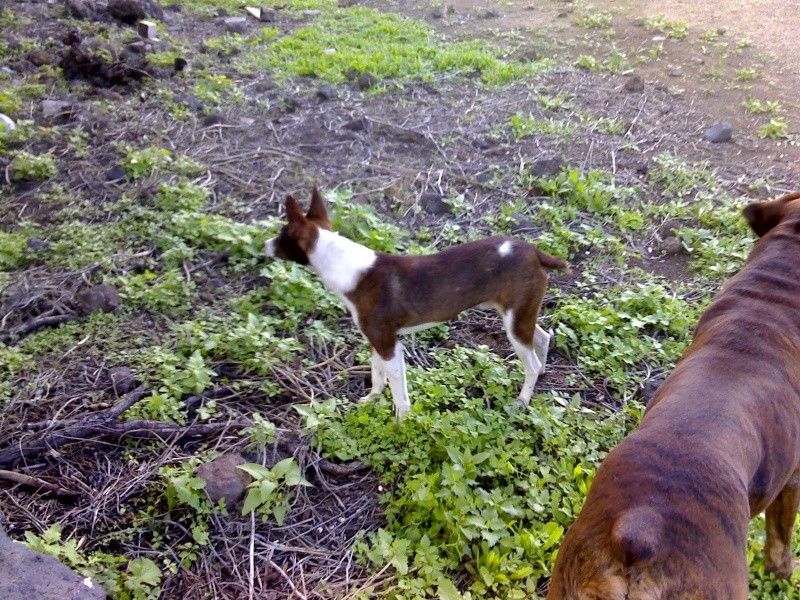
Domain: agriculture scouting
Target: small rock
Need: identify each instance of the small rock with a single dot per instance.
(6, 122)
(359, 124)
(676, 73)
(436, 12)
(98, 298)
(221, 12)
(180, 64)
(489, 13)
(268, 15)
(547, 165)
(483, 177)
(122, 379)
(521, 222)
(721, 132)
(115, 173)
(213, 119)
(668, 227)
(698, 61)
(326, 92)
(530, 55)
(649, 388)
(351, 74)
(481, 144)
(640, 22)
(235, 24)
(312, 13)
(40, 58)
(635, 83)
(36, 244)
(434, 204)
(191, 101)
(291, 105)
(217, 283)
(54, 108)
(131, 11)
(139, 46)
(224, 480)
(147, 30)
(366, 81)
(329, 51)
(222, 189)
(672, 246)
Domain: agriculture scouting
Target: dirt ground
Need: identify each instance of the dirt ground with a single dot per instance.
(390, 150)
(758, 35)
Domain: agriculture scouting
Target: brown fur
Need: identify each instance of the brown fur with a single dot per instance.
(668, 511)
(444, 284)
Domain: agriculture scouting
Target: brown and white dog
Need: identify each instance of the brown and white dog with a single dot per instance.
(390, 295)
(667, 514)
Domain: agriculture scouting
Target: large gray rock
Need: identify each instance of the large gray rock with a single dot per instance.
(29, 575)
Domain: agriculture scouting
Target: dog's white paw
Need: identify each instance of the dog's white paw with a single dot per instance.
(369, 397)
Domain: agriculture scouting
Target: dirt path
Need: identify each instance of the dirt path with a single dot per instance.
(733, 52)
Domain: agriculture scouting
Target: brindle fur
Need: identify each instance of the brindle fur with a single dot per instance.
(668, 511)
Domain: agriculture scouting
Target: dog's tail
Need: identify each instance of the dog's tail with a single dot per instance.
(636, 537)
(552, 262)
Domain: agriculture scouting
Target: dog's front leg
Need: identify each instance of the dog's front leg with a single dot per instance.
(378, 376)
(396, 373)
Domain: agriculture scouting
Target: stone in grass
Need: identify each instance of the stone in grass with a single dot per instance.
(55, 108)
(635, 83)
(115, 173)
(366, 81)
(122, 379)
(268, 15)
(224, 480)
(359, 124)
(147, 30)
(672, 246)
(547, 164)
(434, 204)
(437, 12)
(326, 92)
(721, 132)
(235, 24)
(37, 245)
(98, 298)
(489, 13)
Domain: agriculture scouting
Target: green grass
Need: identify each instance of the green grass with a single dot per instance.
(385, 45)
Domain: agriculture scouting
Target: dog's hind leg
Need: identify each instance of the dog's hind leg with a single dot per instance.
(518, 332)
(541, 345)
(781, 515)
(394, 366)
(378, 376)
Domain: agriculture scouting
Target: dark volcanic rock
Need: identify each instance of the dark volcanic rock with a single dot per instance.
(635, 83)
(434, 204)
(547, 164)
(98, 298)
(131, 11)
(224, 480)
(122, 379)
(721, 132)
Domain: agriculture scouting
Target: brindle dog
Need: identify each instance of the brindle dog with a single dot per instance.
(668, 511)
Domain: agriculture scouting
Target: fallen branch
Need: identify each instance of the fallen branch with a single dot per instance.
(37, 483)
(104, 425)
(34, 325)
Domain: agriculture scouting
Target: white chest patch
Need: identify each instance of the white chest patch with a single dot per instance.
(340, 262)
(505, 248)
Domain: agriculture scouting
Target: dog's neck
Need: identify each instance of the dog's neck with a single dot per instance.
(340, 262)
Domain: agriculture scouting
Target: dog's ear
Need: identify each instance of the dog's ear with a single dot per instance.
(763, 216)
(318, 212)
(295, 218)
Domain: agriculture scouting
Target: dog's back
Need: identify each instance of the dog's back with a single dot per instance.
(668, 511)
